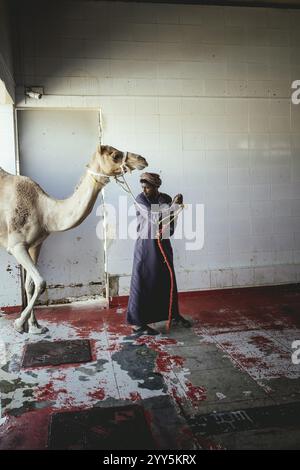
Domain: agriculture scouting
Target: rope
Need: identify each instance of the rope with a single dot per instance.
(127, 189)
(168, 325)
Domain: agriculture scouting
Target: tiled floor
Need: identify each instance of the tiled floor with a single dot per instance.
(228, 382)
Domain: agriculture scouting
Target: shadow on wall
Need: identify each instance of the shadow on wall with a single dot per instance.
(80, 47)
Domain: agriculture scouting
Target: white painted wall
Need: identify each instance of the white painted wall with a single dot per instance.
(10, 280)
(203, 93)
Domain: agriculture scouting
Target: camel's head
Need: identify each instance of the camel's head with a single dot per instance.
(113, 162)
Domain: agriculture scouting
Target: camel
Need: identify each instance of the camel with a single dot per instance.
(28, 216)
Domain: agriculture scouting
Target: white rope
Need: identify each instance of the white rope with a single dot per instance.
(125, 186)
(94, 173)
(143, 209)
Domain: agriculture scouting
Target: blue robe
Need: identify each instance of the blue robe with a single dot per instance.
(149, 297)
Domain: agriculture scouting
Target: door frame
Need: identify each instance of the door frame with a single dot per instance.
(17, 161)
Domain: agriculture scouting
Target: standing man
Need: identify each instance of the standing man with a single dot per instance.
(149, 297)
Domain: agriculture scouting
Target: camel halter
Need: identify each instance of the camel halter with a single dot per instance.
(125, 186)
(123, 167)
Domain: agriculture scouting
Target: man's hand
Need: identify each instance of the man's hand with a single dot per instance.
(178, 199)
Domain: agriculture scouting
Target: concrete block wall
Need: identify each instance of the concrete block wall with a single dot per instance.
(204, 93)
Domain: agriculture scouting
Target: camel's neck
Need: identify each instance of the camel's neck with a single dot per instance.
(66, 214)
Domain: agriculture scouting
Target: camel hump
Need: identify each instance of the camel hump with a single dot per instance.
(3, 172)
(26, 196)
(27, 190)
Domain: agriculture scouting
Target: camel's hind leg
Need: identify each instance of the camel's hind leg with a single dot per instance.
(33, 325)
(21, 254)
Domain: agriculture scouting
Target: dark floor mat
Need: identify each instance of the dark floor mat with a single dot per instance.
(274, 416)
(122, 427)
(45, 353)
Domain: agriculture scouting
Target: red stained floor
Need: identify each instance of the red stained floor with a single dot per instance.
(265, 317)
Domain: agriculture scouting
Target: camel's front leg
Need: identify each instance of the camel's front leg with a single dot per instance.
(33, 325)
(22, 256)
